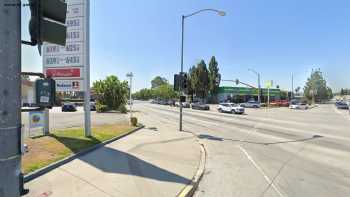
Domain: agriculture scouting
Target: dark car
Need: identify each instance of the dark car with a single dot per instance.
(163, 102)
(69, 107)
(200, 106)
(171, 102)
(92, 106)
(342, 105)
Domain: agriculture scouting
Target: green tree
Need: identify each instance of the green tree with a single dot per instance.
(342, 92)
(190, 76)
(316, 87)
(143, 94)
(214, 76)
(201, 80)
(329, 93)
(158, 81)
(111, 92)
(165, 91)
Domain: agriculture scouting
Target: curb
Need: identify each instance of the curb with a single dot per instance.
(44, 170)
(190, 189)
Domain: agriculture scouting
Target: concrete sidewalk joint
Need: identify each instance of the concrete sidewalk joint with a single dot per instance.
(59, 163)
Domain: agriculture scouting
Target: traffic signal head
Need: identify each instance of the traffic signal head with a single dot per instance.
(237, 81)
(47, 23)
(176, 82)
(184, 82)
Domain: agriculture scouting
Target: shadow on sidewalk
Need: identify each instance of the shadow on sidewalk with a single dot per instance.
(114, 161)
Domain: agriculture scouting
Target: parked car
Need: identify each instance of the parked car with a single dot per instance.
(184, 104)
(163, 102)
(200, 106)
(92, 106)
(251, 104)
(68, 107)
(298, 106)
(230, 108)
(280, 103)
(171, 102)
(341, 105)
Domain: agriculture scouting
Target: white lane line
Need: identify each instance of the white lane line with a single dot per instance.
(261, 171)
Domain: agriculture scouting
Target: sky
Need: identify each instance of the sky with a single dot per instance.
(276, 38)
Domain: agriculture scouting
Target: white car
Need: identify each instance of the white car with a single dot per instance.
(184, 104)
(230, 108)
(298, 106)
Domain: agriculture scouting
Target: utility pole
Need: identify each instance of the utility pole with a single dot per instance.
(10, 102)
(259, 84)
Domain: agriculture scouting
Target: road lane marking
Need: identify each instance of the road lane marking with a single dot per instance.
(261, 171)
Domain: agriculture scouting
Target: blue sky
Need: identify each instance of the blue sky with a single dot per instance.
(274, 37)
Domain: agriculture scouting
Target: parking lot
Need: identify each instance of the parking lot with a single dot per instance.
(61, 120)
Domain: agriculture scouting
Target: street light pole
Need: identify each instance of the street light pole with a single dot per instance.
(259, 84)
(130, 75)
(182, 67)
(221, 13)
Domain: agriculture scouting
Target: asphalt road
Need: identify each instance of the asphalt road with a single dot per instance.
(267, 152)
(61, 120)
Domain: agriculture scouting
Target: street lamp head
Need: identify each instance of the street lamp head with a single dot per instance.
(222, 13)
(129, 74)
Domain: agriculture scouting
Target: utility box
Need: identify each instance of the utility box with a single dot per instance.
(45, 92)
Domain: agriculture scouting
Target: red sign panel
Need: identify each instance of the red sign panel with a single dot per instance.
(63, 72)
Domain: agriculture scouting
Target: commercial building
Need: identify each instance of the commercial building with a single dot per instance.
(243, 94)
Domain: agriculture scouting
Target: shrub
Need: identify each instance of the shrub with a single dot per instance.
(122, 109)
(101, 108)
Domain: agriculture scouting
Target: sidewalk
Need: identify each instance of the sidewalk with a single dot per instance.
(150, 162)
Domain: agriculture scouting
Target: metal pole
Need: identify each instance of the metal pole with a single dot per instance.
(131, 103)
(292, 92)
(259, 86)
(10, 102)
(87, 72)
(182, 65)
(47, 122)
(268, 97)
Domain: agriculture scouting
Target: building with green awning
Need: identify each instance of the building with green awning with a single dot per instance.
(243, 94)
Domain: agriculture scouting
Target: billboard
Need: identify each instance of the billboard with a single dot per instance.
(67, 64)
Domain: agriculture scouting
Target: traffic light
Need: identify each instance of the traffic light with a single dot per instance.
(184, 81)
(237, 81)
(177, 82)
(47, 22)
(45, 92)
